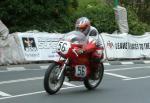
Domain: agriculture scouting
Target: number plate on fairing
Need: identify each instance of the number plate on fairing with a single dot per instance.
(63, 47)
(80, 70)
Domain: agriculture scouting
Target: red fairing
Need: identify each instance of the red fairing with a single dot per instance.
(79, 59)
(74, 47)
(80, 54)
(96, 52)
(90, 47)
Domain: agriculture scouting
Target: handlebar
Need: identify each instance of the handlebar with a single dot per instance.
(75, 52)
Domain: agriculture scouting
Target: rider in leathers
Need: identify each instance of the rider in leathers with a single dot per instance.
(92, 36)
(91, 33)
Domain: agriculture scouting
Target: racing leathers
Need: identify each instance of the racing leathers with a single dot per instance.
(94, 41)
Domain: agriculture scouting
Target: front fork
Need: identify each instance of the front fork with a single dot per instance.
(63, 68)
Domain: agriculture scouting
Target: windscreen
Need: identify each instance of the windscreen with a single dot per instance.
(75, 37)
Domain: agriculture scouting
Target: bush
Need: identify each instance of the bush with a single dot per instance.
(102, 17)
(135, 25)
(60, 16)
(22, 15)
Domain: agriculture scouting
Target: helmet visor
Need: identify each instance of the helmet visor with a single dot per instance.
(80, 29)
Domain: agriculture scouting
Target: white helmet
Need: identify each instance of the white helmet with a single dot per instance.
(83, 24)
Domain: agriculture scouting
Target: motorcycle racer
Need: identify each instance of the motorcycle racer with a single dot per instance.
(91, 33)
(83, 25)
(94, 44)
(89, 37)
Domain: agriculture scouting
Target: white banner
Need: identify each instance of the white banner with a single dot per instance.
(39, 46)
(126, 46)
(42, 46)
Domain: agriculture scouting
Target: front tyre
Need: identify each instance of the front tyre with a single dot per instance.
(51, 83)
(93, 83)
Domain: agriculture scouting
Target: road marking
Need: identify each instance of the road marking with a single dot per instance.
(39, 92)
(127, 63)
(137, 78)
(106, 63)
(4, 71)
(21, 80)
(44, 67)
(4, 94)
(146, 62)
(69, 84)
(117, 75)
(16, 69)
(127, 68)
(30, 79)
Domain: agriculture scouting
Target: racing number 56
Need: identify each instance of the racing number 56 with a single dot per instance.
(62, 46)
(80, 71)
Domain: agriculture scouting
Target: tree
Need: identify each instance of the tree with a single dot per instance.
(34, 13)
(141, 7)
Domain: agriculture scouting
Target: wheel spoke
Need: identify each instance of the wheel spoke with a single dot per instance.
(91, 83)
(51, 83)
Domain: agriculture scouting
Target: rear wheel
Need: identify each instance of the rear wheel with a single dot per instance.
(51, 83)
(93, 83)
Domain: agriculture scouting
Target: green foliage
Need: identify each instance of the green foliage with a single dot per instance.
(45, 15)
(101, 16)
(140, 7)
(138, 15)
(135, 25)
(60, 15)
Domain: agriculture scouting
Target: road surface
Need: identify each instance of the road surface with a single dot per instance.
(128, 83)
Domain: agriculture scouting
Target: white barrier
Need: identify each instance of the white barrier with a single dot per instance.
(126, 46)
(10, 52)
(41, 46)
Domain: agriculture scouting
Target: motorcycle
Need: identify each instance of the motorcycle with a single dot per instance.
(74, 65)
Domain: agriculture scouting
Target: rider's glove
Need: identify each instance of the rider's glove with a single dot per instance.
(80, 51)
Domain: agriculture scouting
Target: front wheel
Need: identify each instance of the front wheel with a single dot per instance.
(93, 83)
(51, 83)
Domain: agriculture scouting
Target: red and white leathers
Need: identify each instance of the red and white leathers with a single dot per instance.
(94, 44)
(94, 48)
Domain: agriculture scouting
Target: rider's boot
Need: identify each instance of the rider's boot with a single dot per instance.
(94, 71)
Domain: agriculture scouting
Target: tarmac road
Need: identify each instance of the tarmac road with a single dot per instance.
(128, 83)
